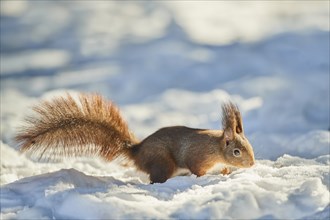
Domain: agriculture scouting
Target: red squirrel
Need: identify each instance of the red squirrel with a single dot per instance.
(91, 125)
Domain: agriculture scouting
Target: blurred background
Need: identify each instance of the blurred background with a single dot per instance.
(174, 62)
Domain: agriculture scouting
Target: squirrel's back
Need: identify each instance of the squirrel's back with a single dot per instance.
(182, 142)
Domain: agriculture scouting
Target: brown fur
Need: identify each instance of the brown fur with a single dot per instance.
(93, 126)
(69, 127)
(231, 119)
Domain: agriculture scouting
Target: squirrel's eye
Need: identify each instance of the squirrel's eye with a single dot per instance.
(236, 152)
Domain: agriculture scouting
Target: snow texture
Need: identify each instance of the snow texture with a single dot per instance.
(172, 63)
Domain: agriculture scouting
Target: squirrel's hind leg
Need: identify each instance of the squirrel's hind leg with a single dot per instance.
(155, 161)
(161, 170)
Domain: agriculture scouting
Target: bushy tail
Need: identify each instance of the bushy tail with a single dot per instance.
(65, 126)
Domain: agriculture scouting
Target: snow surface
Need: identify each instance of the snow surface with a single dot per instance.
(172, 63)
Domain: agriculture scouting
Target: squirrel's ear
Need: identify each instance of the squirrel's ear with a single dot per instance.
(239, 122)
(231, 120)
(228, 134)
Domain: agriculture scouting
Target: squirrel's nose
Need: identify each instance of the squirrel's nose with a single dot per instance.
(248, 163)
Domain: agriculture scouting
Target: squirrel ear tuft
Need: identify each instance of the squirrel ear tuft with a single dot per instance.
(231, 119)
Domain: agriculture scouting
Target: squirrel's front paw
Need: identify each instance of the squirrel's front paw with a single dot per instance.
(225, 171)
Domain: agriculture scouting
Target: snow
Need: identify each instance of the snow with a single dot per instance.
(31, 60)
(202, 21)
(172, 63)
(290, 187)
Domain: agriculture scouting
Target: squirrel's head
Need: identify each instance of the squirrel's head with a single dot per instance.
(237, 150)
